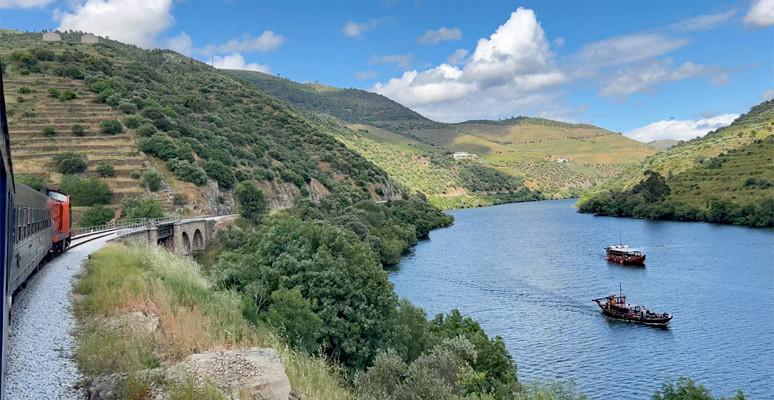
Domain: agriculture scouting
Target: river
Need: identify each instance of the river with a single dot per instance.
(528, 272)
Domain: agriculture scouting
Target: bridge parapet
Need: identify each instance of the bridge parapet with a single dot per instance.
(184, 236)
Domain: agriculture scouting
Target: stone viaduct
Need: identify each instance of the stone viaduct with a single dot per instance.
(184, 237)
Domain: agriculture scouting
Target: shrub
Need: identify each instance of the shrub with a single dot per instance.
(105, 170)
(20, 99)
(136, 174)
(252, 201)
(97, 215)
(132, 121)
(146, 130)
(34, 181)
(49, 131)
(54, 93)
(220, 173)
(179, 199)
(159, 145)
(187, 171)
(111, 127)
(67, 95)
(152, 179)
(24, 90)
(292, 315)
(127, 108)
(69, 163)
(78, 130)
(86, 192)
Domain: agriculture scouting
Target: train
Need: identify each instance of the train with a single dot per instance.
(35, 225)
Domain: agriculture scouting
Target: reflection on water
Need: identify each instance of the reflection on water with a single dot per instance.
(528, 272)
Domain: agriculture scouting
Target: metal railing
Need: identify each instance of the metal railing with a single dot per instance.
(123, 224)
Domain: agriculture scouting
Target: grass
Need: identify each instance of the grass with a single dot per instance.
(193, 318)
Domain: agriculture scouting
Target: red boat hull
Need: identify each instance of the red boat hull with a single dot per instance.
(627, 260)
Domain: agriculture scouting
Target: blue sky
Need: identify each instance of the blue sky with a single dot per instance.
(659, 69)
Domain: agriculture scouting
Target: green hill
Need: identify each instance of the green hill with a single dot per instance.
(725, 176)
(556, 158)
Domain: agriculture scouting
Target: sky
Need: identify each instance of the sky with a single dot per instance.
(650, 70)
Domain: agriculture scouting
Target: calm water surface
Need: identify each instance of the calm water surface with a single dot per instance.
(528, 272)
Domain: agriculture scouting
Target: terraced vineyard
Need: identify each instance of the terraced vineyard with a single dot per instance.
(32, 109)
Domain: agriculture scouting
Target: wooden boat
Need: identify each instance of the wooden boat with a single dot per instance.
(616, 307)
(624, 254)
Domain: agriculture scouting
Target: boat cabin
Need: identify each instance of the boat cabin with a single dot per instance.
(624, 251)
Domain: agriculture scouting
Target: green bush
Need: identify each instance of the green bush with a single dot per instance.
(105, 170)
(20, 99)
(127, 108)
(97, 215)
(49, 131)
(252, 201)
(69, 163)
(67, 95)
(24, 90)
(34, 181)
(292, 315)
(86, 192)
(111, 127)
(132, 121)
(136, 174)
(152, 179)
(54, 93)
(148, 208)
(146, 130)
(220, 173)
(686, 389)
(78, 130)
(187, 171)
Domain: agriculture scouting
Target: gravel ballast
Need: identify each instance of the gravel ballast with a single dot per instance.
(40, 364)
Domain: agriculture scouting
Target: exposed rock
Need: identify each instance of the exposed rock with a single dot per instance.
(256, 373)
(317, 191)
(135, 323)
(279, 195)
(214, 201)
(105, 387)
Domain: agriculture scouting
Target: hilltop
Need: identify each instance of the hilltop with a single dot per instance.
(725, 176)
(664, 144)
(556, 158)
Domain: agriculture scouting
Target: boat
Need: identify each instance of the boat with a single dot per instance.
(624, 254)
(615, 306)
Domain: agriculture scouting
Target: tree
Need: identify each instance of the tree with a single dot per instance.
(252, 201)
(152, 179)
(34, 181)
(187, 171)
(78, 130)
(148, 208)
(69, 163)
(86, 192)
(686, 389)
(97, 215)
(49, 131)
(292, 314)
(653, 188)
(220, 173)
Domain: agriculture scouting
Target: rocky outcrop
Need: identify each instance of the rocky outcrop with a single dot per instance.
(214, 201)
(256, 373)
(279, 195)
(135, 323)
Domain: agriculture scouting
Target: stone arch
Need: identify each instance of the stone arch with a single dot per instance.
(198, 240)
(186, 244)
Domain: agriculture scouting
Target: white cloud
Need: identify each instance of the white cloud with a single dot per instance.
(401, 60)
(641, 76)
(236, 61)
(628, 48)
(363, 75)
(181, 43)
(680, 130)
(510, 73)
(355, 29)
(137, 22)
(768, 95)
(761, 14)
(703, 22)
(436, 36)
(458, 57)
(24, 3)
(558, 42)
(268, 41)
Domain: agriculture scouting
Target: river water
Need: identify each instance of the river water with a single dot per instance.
(528, 272)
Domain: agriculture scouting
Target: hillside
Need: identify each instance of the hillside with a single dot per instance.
(725, 176)
(664, 144)
(204, 130)
(556, 158)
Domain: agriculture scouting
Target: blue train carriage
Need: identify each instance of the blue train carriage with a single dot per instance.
(6, 230)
